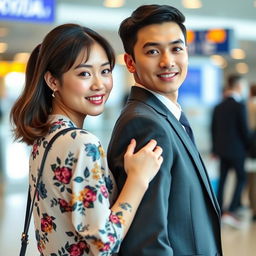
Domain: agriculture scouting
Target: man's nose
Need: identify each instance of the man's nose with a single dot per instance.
(167, 60)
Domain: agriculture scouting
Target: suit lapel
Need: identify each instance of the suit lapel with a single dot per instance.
(188, 144)
(142, 95)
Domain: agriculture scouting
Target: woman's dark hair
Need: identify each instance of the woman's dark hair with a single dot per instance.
(57, 54)
(147, 15)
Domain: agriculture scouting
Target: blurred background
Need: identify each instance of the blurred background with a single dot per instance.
(221, 41)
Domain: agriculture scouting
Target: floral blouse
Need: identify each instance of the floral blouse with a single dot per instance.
(72, 213)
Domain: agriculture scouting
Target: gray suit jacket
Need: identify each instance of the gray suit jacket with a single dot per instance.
(179, 214)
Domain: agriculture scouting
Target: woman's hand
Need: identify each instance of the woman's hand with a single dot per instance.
(143, 165)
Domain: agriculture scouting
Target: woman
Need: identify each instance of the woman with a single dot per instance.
(69, 77)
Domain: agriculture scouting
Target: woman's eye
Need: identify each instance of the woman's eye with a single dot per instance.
(85, 74)
(106, 71)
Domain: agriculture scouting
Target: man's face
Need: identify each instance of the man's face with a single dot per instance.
(160, 59)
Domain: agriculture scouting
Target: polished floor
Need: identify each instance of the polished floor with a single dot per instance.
(13, 193)
(240, 242)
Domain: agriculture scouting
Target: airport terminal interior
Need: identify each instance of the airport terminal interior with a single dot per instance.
(221, 41)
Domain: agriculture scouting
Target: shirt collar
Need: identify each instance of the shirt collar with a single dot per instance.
(236, 96)
(175, 108)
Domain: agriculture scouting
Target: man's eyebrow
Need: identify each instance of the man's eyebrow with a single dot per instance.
(148, 44)
(82, 65)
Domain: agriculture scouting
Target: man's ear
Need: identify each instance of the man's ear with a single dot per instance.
(130, 64)
(51, 81)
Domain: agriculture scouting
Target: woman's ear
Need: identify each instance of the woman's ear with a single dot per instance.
(130, 64)
(51, 81)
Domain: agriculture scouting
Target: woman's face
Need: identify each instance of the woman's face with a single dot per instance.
(85, 87)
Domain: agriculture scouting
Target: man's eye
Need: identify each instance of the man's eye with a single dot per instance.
(177, 49)
(152, 52)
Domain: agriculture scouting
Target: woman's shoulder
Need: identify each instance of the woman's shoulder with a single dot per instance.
(81, 136)
(67, 138)
(69, 131)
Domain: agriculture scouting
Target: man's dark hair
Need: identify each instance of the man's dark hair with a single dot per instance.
(253, 90)
(233, 80)
(147, 15)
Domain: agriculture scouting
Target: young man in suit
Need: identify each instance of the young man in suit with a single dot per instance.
(230, 134)
(179, 214)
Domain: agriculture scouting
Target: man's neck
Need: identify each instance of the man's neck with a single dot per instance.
(172, 99)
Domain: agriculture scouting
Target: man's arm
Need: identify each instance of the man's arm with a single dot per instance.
(148, 233)
(213, 132)
(243, 124)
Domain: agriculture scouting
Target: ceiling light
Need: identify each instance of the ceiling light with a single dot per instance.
(219, 61)
(237, 54)
(192, 4)
(21, 57)
(254, 3)
(3, 47)
(113, 3)
(242, 68)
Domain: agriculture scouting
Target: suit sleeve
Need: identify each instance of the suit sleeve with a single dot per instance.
(213, 132)
(148, 234)
(243, 124)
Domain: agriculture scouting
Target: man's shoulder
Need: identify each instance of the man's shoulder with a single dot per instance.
(137, 107)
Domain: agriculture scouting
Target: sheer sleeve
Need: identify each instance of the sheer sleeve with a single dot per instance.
(91, 189)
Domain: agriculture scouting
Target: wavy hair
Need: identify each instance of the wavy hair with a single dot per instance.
(57, 54)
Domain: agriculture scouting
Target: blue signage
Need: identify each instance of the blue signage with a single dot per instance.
(211, 41)
(201, 86)
(193, 84)
(28, 10)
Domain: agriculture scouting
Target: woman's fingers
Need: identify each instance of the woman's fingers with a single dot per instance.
(158, 151)
(131, 147)
(151, 145)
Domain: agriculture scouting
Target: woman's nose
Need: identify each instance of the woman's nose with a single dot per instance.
(97, 84)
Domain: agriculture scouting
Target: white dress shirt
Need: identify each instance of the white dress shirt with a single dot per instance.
(175, 108)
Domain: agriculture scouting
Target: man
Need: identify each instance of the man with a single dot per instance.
(230, 134)
(179, 214)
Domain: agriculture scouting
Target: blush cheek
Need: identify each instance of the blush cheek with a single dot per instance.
(109, 84)
(80, 90)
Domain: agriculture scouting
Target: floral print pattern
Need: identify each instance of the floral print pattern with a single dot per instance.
(72, 210)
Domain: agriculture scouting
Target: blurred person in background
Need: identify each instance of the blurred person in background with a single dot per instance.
(77, 210)
(251, 162)
(179, 214)
(230, 133)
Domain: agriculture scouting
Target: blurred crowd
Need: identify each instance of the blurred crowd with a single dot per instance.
(233, 134)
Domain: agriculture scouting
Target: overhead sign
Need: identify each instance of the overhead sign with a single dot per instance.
(28, 10)
(211, 41)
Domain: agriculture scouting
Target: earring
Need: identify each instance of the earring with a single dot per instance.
(53, 93)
